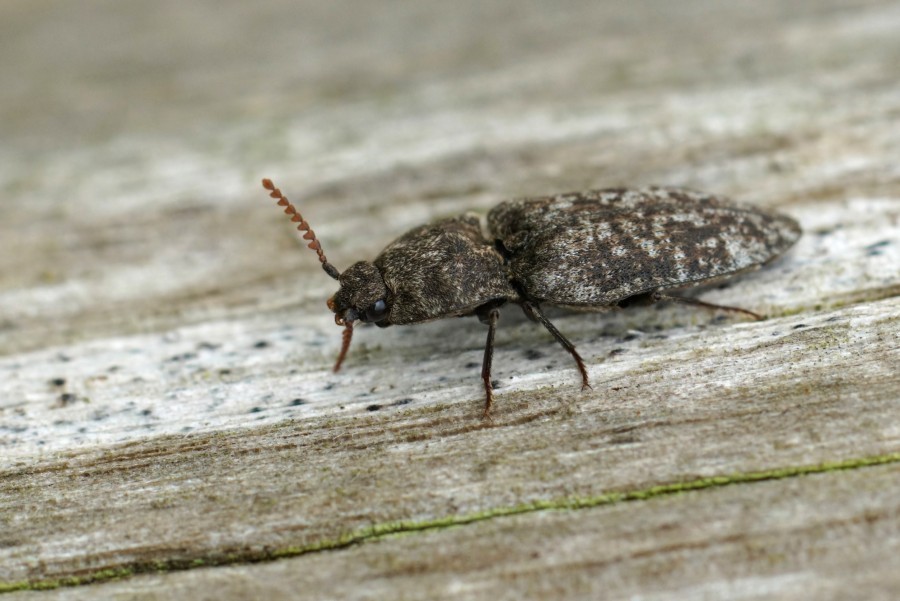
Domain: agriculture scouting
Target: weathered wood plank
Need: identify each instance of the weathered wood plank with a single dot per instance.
(275, 366)
(166, 399)
(298, 482)
(813, 537)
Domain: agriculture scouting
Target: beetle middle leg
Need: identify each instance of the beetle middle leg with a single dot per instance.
(534, 313)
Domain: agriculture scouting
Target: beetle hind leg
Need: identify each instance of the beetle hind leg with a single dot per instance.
(534, 313)
(687, 300)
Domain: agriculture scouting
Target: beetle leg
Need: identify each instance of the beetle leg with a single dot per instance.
(686, 300)
(491, 320)
(533, 312)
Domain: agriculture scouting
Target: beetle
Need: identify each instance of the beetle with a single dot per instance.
(590, 251)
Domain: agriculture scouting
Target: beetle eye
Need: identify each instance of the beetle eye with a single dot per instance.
(376, 311)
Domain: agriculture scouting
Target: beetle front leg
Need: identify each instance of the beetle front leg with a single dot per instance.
(490, 318)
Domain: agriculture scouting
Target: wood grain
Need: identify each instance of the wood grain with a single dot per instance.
(168, 416)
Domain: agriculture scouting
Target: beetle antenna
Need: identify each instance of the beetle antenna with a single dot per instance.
(303, 226)
(347, 335)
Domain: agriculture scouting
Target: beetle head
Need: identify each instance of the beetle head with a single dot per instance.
(362, 296)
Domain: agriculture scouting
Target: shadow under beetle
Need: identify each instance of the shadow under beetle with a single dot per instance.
(583, 250)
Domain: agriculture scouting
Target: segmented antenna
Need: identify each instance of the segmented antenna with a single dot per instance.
(303, 226)
(347, 334)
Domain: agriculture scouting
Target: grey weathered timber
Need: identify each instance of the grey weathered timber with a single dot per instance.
(169, 422)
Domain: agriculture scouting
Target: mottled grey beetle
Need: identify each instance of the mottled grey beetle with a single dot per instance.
(584, 250)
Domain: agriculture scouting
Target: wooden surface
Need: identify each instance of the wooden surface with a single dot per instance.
(170, 426)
